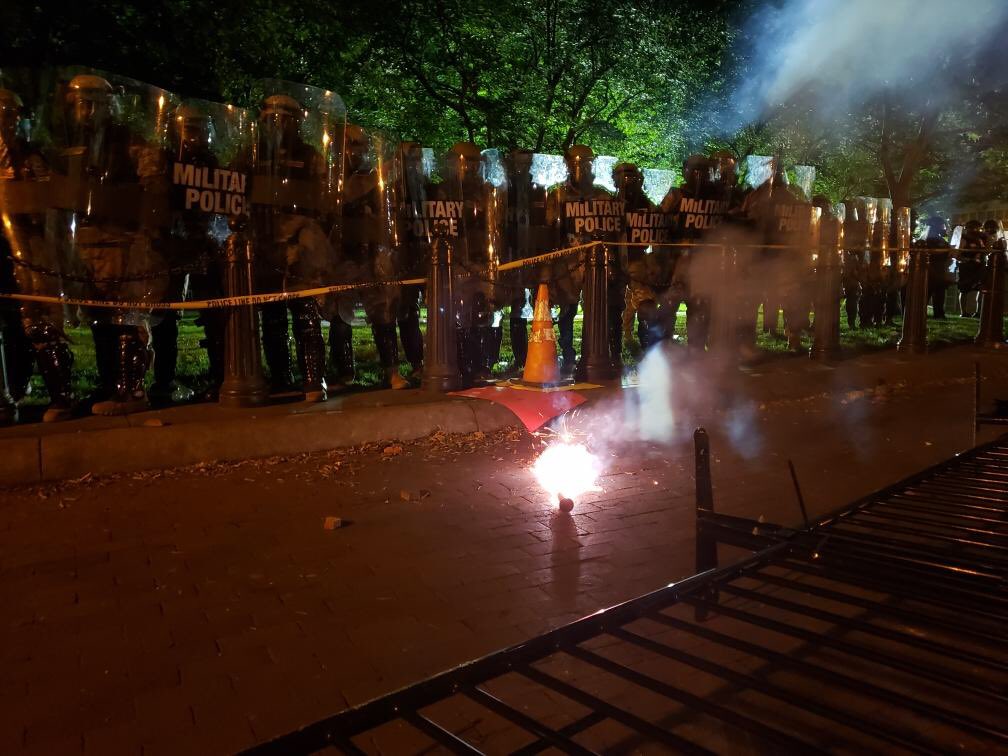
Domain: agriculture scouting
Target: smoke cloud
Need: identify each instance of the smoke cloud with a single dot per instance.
(839, 53)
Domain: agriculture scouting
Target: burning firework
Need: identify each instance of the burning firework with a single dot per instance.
(566, 470)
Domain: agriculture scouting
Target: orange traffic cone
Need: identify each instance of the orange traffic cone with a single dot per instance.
(541, 369)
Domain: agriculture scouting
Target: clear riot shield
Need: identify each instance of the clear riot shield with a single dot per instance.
(525, 228)
(27, 264)
(108, 200)
(471, 210)
(296, 188)
(373, 232)
(206, 168)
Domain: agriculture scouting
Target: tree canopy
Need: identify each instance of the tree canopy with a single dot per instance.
(645, 80)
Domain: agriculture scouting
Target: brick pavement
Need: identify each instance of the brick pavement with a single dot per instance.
(205, 610)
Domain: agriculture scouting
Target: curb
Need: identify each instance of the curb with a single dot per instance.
(35, 459)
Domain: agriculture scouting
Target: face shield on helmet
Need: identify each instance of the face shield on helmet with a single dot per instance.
(89, 106)
(463, 163)
(358, 149)
(280, 118)
(580, 171)
(937, 228)
(520, 162)
(696, 172)
(194, 128)
(992, 228)
(724, 167)
(628, 179)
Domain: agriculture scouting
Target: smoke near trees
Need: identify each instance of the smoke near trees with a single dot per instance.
(903, 99)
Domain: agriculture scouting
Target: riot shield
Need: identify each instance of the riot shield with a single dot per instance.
(296, 185)
(108, 200)
(207, 171)
(471, 209)
(525, 228)
(35, 268)
(373, 233)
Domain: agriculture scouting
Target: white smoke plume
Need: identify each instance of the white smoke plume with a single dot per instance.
(837, 53)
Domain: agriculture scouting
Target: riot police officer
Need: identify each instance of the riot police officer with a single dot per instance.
(578, 212)
(34, 332)
(370, 250)
(526, 222)
(293, 245)
(699, 206)
(648, 264)
(415, 257)
(970, 267)
(100, 222)
(473, 211)
(939, 255)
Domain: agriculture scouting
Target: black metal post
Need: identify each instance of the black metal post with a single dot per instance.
(723, 324)
(706, 546)
(8, 409)
(826, 326)
(441, 369)
(244, 384)
(990, 335)
(595, 363)
(914, 339)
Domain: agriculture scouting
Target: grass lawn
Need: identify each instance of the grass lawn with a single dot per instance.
(192, 361)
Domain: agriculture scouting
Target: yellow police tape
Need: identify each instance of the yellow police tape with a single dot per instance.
(319, 291)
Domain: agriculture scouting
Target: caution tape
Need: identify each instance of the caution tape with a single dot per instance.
(208, 304)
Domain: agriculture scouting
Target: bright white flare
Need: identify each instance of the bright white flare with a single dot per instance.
(568, 469)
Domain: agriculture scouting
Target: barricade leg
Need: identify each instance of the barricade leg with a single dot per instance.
(914, 339)
(244, 384)
(596, 363)
(441, 367)
(826, 325)
(990, 334)
(723, 319)
(706, 546)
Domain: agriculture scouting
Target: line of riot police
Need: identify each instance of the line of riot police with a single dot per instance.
(114, 190)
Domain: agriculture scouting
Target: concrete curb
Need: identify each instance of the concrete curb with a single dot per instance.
(50, 457)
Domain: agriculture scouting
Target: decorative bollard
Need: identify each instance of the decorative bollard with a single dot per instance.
(8, 409)
(441, 368)
(244, 384)
(914, 338)
(596, 363)
(723, 333)
(828, 268)
(990, 334)
(706, 546)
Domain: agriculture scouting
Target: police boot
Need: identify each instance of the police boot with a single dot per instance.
(310, 349)
(518, 332)
(565, 327)
(276, 346)
(106, 344)
(55, 361)
(20, 354)
(481, 344)
(341, 354)
(412, 341)
(133, 361)
(388, 354)
(164, 342)
(494, 336)
(463, 340)
(213, 343)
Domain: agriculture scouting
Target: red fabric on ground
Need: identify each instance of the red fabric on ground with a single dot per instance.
(533, 408)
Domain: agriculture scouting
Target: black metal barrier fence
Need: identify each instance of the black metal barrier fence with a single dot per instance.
(244, 384)
(879, 627)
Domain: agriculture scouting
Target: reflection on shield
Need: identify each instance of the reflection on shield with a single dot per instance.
(296, 185)
(108, 201)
